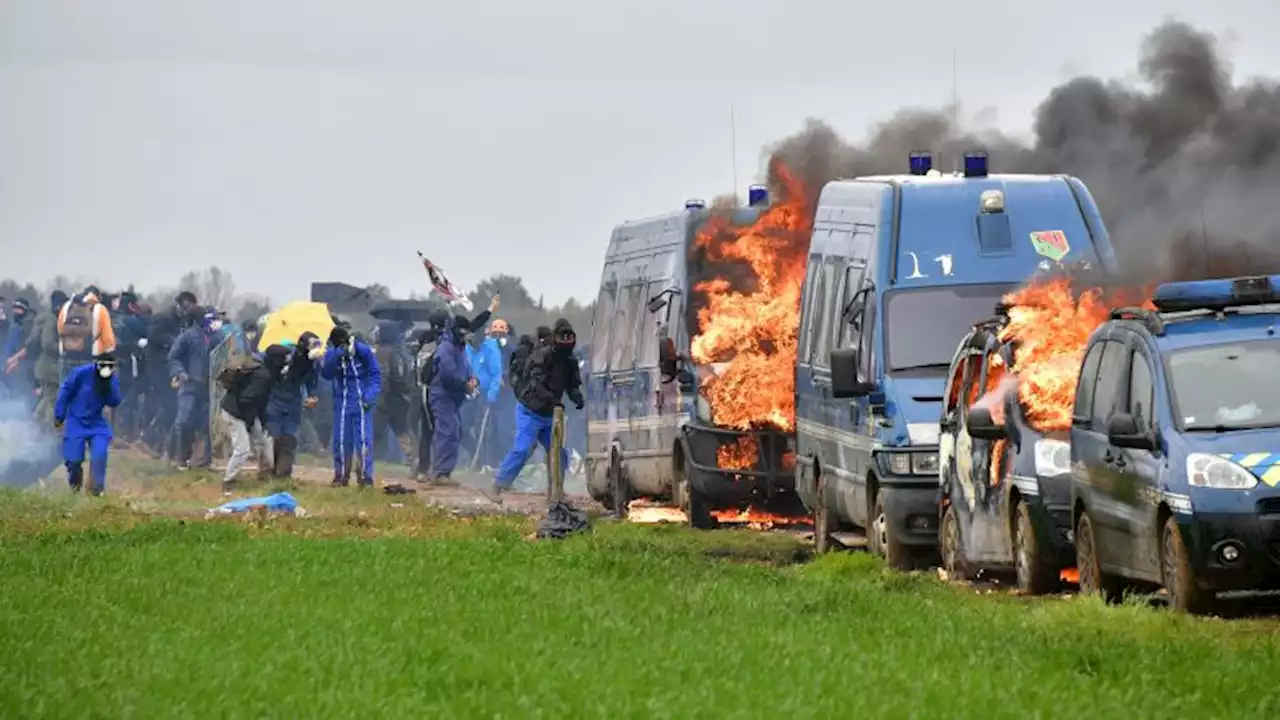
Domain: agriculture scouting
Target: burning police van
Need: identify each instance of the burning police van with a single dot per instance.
(899, 269)
(682, 404)
(1175, 444)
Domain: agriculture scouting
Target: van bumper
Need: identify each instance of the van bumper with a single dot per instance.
(911, 508)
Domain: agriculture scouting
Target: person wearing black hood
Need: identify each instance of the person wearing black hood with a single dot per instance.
(452, 382)
(295, 390)
(397, 395)
(162, 399)
(551, 373)
(244, 408)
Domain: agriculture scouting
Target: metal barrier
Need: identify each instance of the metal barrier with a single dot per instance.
(218, 359)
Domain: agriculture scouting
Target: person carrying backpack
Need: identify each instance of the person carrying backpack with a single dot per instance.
(83, 396)
(244, 407)
(84, 330)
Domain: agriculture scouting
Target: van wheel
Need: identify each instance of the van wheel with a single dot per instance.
(698, 510)
(823, 522)
(1036, 575)
(619, 490)
(1092, 580)
(896, 555)
(1185, 593)
(953, 559)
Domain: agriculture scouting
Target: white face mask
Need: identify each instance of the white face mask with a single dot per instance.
(215, 326)
(502, 341)
(316, 353)
(105, 371)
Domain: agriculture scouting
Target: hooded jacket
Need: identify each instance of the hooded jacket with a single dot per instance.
(190, 356)
(452, 370)
(356, 378)
(300, 378)
(396, 365)
(248, 402)
(486, 363)
(552, 373)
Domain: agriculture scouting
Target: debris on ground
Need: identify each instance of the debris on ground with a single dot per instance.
(279, 503)
(398, 489)
(562, 520)
(647, 512)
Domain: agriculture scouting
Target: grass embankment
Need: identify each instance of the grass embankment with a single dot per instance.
(109, 611)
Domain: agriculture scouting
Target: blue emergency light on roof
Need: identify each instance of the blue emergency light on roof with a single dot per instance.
(975, 164)
(921, 162)
(1216, 294)
(757, 195)
(694, 204)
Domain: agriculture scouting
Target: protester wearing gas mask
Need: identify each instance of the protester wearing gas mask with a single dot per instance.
(293, 392)
(352, 368)
(82, 398)
(451, 383)
(189, 373)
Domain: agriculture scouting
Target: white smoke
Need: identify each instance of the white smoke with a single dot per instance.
(28, 452)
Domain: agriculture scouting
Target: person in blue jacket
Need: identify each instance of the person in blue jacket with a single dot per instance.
(451, 383)
(352, 369)
(486, 364)
(295, 390)
(87, 390)
(189, 373)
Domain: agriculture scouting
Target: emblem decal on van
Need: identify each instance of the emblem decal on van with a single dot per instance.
(1051, 244)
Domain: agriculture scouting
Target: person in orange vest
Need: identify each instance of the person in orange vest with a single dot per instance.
(84, 331)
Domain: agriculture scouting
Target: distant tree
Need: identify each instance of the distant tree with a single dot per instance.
(379, 292)
(511, 288)
(252, 308)
(213, 286)
(10, 290)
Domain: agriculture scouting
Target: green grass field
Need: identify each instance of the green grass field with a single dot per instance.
(110, 611)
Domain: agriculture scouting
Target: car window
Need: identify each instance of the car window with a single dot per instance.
(866, 336)
(852, 283)
(627, 309)
(1088, 378)
(603, 320)
(648, 339)
(1108, 385)
(830, 306)
(1141, 390)
(813, 288)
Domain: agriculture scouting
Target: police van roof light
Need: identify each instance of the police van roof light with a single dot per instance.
(921, 162)
(975, 164)
(757, 195)
(1216, 294)
(694, 204)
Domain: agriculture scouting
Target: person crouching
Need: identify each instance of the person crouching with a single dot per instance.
(82, 397)
(244, 408)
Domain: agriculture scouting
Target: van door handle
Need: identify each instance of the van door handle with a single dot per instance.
(1111, 458)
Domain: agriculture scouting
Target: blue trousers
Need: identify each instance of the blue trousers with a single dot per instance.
(353, 432)
(284, 420)
(73, 455)
(193, 424)
(447, 435)
(531, 429)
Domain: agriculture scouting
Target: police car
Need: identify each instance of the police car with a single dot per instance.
(1175, 444)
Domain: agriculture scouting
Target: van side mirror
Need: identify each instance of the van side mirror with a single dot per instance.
(668, 359)
(982, 426)
(685, 380)
(844, 374)
(1123, 432)
(657, 303)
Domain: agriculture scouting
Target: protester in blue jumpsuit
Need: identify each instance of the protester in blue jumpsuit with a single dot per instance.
(486, 365)
(451, 383)
(87, 390)
(189, 370)
(295, 390)
(352, 369)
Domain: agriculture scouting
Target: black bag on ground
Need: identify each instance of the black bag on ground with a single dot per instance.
(562, 520)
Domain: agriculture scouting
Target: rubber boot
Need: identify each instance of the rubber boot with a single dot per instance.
(75, 477)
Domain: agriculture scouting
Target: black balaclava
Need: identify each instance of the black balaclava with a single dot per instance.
(302, 363)
(57, 299)
(544, 335)
(275, 359)
(20, 309)
(104, 366)
(564, 338)
(461, 329)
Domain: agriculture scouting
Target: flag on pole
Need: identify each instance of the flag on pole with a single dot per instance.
(440, 283)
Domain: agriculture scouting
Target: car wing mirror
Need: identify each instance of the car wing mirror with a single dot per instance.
(1123, 431)
(981, 425)
(844, 374)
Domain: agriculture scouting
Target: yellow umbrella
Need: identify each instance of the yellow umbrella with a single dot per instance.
(290, 321)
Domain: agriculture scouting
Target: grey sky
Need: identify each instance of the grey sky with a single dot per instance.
(292, 141)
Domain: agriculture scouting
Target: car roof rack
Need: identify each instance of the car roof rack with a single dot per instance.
(1150, 319)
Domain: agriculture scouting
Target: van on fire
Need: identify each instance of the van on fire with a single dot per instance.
(900, 268)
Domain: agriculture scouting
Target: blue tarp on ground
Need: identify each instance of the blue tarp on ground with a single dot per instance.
(280, 502)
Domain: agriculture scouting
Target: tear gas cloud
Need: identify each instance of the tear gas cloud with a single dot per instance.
(28, 452)
(1185, 168)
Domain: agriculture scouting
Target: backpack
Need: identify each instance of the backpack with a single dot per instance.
(427, 363)
(77, 328)
(238, 370)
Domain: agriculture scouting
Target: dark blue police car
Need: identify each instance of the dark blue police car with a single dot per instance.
(1175, 444)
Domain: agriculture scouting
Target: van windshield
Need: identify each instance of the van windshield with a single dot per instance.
(923, 325)
(1227, 387)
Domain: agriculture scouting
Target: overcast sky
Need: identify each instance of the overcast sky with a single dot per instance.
(300, 140)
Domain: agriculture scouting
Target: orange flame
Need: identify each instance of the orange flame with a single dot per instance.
(757, 519)
(753, 331)
(740, 454)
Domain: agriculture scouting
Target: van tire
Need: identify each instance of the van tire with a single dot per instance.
(896, 555)
(1036, 574)
(1093, 581)
(619, 490)
(823, 522)
(1178, 575)
(698, 510)
(951, 547)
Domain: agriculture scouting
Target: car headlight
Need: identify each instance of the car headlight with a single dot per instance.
(1210, 471)
(1053, 458)
(911, 463)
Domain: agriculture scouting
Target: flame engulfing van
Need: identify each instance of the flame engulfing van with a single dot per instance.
(689, 394)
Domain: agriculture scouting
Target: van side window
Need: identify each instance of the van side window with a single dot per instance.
(648, 340)
(829, 304)
(1107, 389)
(866, 338)
(628, 307)
(848, 336)
(1088, 378)
(602, 320)
(808, 307)
(1141, 389)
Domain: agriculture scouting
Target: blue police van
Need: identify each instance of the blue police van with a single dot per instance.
(649, 430)
(1175, 444)
(900, 268)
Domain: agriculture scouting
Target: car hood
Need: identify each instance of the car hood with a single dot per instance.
(915, 404)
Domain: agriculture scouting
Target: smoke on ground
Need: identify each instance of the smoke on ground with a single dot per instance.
(1185, 168)
(28, 452)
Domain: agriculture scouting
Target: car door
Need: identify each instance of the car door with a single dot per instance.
(1138, 471)
(1087, 444)
(1098, 456)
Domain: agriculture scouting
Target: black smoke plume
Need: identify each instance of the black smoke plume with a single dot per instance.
(1185, 168)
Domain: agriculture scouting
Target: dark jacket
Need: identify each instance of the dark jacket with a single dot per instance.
(248, 400)
(517, 365)
(552, 373)
(396, 366)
